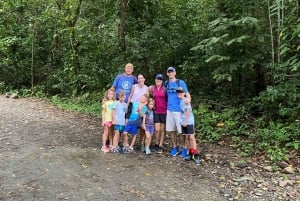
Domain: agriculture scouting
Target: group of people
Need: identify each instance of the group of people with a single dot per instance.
(130, 106)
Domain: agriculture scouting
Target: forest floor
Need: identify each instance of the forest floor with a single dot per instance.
(47, 153)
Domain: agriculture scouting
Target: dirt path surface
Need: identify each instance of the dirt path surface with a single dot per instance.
(50, 154)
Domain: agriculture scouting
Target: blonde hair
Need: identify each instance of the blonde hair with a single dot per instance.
(106, 94)
(150, 100)
(129, 65)
(122, 93)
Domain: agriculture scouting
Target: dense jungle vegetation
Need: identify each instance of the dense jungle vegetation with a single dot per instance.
(240, 59)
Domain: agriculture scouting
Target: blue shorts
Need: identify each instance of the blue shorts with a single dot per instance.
(150, 129)
(119, 128)
(131, 129)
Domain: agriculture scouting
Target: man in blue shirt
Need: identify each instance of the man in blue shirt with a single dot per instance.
(124, 82)
(173, 110)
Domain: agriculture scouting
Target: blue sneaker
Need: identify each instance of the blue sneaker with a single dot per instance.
(147, 151)
(174, 151)
(184, 152)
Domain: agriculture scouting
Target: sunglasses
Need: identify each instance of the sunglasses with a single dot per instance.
(170, 71)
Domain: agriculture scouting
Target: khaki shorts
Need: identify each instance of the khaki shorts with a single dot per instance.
(173, 121)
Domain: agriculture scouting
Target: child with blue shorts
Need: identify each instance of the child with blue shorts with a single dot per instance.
(119, 110)
(134, 122)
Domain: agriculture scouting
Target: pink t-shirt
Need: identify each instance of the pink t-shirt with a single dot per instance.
(160, 98)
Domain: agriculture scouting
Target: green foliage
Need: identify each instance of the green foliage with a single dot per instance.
(81, 104)
(244, 79)
(3, 87)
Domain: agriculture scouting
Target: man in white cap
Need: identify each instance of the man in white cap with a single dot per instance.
(173, 110)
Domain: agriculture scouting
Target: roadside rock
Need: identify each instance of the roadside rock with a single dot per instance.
(288, 170)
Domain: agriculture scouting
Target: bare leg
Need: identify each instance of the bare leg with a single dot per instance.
(133, 141)
(104, 135)
(148, 140)
(157, 133)
(174, 138)
(116, 139)
(142, 136)
(162, 134)
(110, 136)
(125, 139)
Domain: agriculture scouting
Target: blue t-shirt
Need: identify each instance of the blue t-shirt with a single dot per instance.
(184, 107)
(123, 82)
(173, 100)
(120, 109)
(134, 115)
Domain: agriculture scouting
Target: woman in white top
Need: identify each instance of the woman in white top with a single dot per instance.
(137, 91)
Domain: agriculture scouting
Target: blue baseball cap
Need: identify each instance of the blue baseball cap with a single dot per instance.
(171, 69)
(159, 77)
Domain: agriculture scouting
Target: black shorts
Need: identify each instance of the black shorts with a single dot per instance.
(160, 118)
(188, 130)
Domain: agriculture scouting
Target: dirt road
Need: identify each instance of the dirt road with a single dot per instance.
(49, 154)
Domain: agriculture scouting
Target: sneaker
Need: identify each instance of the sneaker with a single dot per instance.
(124, 149)
(116, 150)
(128, 150)
(155, 148)
(197, 159)
(159, 150)
(142, 148)
(174, 151)
(148, 152)
(105, 149)
(184, 152)
(189, 157)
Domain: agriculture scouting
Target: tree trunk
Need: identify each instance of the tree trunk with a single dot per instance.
(122, 24)
(73, 41)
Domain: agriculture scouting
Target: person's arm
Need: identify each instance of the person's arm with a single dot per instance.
(103, 114)
(113, 88)
(130, 95)
(188, 97)
(114, 115)
(144, 122)
(150, 91)
(187, 116)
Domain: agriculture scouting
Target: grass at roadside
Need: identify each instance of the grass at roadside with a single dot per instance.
(90, 108)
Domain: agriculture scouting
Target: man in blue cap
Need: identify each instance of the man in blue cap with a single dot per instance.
(173, 110)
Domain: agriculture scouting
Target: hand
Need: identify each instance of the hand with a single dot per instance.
(187, 101)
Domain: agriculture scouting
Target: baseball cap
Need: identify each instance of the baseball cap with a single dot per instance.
(159, 77)
(171, 69)
(179, 90)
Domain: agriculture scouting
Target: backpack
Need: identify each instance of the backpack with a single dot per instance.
(166, 84)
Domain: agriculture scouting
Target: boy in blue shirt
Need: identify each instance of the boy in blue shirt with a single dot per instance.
(134, 122)
(187, 122)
